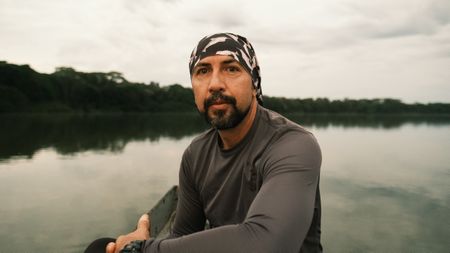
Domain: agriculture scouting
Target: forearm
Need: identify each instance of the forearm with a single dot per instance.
(230, 238)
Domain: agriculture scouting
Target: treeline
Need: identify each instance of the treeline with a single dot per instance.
(66, 90)
(353, 106)
(24, 90)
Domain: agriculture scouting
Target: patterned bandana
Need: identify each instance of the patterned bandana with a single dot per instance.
(232, 45)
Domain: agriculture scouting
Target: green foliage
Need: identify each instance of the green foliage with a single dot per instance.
(12, 100)
(353, 106)
(24, 90)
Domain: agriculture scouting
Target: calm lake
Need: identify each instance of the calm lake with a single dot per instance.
(66, 180)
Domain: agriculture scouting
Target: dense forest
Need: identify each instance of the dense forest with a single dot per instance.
(66, 90)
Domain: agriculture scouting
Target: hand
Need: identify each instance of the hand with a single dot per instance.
(141, 233)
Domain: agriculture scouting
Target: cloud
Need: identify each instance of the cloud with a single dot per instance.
(305, 48)
(356, 22)
(439, 10)
(225, 16)
(399, 19)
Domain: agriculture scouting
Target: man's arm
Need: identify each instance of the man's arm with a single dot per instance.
(190, 217)
(280, 215)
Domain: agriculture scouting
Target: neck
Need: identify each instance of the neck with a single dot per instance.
(231, 137)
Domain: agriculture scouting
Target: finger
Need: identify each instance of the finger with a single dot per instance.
(144, 222)
(110, 247)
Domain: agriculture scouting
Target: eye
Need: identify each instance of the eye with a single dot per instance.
(232, 69)
(201, 71)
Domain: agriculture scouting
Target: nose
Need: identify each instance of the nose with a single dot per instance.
(217, 82)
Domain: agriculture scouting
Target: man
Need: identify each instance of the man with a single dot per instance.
(254, 176)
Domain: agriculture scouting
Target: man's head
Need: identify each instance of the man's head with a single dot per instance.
(225, 78)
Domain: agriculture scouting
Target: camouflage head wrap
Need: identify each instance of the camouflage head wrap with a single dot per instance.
(232, 45)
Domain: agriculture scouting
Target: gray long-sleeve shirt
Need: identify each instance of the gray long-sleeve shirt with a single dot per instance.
(260, 196)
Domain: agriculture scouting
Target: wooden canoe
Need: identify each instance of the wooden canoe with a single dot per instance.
(162, 214)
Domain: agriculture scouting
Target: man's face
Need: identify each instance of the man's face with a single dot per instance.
(223, 91)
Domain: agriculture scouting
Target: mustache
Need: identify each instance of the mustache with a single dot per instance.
(216, 96)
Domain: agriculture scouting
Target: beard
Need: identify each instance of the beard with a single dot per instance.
(224, 119)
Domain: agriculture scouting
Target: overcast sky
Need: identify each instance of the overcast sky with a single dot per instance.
(306, 48)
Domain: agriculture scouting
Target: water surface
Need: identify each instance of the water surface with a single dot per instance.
(66, 180)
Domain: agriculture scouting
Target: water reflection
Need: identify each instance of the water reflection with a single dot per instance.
(367, 121)
(24, 135)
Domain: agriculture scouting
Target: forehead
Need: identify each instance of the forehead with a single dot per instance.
(217, 59)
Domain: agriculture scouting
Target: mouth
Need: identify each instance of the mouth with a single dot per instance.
(219, 105)
(218, 101)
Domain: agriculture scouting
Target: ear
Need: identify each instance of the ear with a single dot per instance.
(253, 90)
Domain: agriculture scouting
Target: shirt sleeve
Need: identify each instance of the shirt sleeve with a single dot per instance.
(190, 217)
(279, 217)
